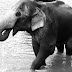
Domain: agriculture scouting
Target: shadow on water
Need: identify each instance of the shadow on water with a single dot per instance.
(59, 63)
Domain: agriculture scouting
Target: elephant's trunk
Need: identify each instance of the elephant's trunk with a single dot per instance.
(6, 24)
(4, 36)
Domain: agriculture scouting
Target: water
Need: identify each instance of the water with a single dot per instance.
(16, 55)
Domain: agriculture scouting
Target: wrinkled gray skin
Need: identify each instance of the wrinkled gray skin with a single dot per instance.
(47, 23)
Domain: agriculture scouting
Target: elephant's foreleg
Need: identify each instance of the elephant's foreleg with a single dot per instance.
(36, 47)
(68, 46)
(43, 53)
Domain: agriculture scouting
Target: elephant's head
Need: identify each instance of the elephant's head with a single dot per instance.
(31, 19)
(7, 22)
(26, 16)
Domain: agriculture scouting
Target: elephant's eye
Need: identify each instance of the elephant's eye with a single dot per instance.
(18, 14)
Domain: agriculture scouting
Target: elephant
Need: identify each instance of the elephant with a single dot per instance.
(49, 24)
(59, 46)
(52, 30)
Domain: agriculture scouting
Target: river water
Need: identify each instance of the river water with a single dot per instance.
(16, 55)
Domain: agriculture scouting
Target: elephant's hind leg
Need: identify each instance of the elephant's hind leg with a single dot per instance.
(68, 46)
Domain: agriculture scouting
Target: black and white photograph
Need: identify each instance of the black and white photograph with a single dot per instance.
(35, 36)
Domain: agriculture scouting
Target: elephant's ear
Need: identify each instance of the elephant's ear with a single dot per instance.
(38, 19)
(26, 10)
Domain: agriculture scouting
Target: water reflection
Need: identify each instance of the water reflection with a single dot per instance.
(59, 63)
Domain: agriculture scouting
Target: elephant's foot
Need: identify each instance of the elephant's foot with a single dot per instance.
(39, 62)
(37, 65)
(34, 66)
(43, 65)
